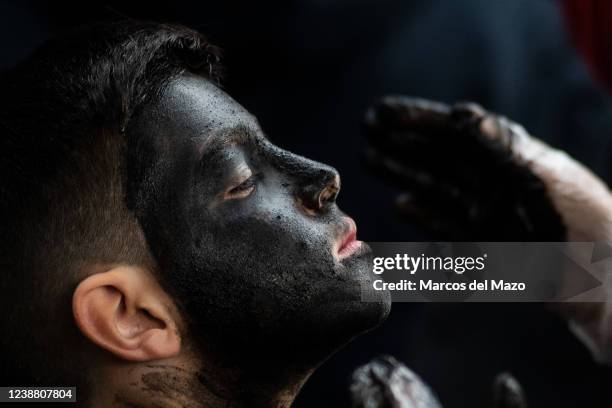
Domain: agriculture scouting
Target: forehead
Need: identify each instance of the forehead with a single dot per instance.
(191, 108)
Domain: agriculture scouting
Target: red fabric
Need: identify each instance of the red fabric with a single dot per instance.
(590, 25)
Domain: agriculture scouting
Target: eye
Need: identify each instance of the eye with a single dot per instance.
(242, 190)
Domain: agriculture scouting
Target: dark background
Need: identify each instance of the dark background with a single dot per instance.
(309, 68)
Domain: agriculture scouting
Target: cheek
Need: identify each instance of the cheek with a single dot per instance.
(271, 218)
(278, 230)
(265, 233)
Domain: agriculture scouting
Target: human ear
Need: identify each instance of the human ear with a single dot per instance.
(126, 312)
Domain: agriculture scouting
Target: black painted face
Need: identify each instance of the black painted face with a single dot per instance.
(248, 236)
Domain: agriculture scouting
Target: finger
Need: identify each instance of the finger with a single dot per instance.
(486, 214)
(467, 112)
(385, 382)
(390, 130)
(441, 139)
(469, 108)
(492, 131)
(402, 112)
(432, 203)
(498, 131)
(399, 173)
(404, 142)
(508, 393)
(468, 168)
(433, 191)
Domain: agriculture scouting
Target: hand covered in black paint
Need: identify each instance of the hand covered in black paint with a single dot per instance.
(471, 175)
(468, 174)
(385, 382)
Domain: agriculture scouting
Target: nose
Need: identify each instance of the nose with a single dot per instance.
(319, 191)
(315, 185)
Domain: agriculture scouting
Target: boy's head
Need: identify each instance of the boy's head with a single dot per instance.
(145, 209)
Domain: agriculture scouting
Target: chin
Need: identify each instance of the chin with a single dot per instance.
(350, 307)
(374, 305)
(372, 309)
(345, 321)
(366, 316)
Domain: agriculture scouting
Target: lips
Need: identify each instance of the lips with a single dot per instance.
(349, 244)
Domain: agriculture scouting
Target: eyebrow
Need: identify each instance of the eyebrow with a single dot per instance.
(223, 138)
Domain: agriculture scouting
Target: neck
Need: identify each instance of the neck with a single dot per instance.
(178, 382)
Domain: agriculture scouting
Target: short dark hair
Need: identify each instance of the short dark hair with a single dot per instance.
(63, 118)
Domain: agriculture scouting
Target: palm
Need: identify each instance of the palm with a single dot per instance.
(458, 168)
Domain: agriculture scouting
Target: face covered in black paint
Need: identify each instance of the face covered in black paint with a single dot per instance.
(248, 236)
